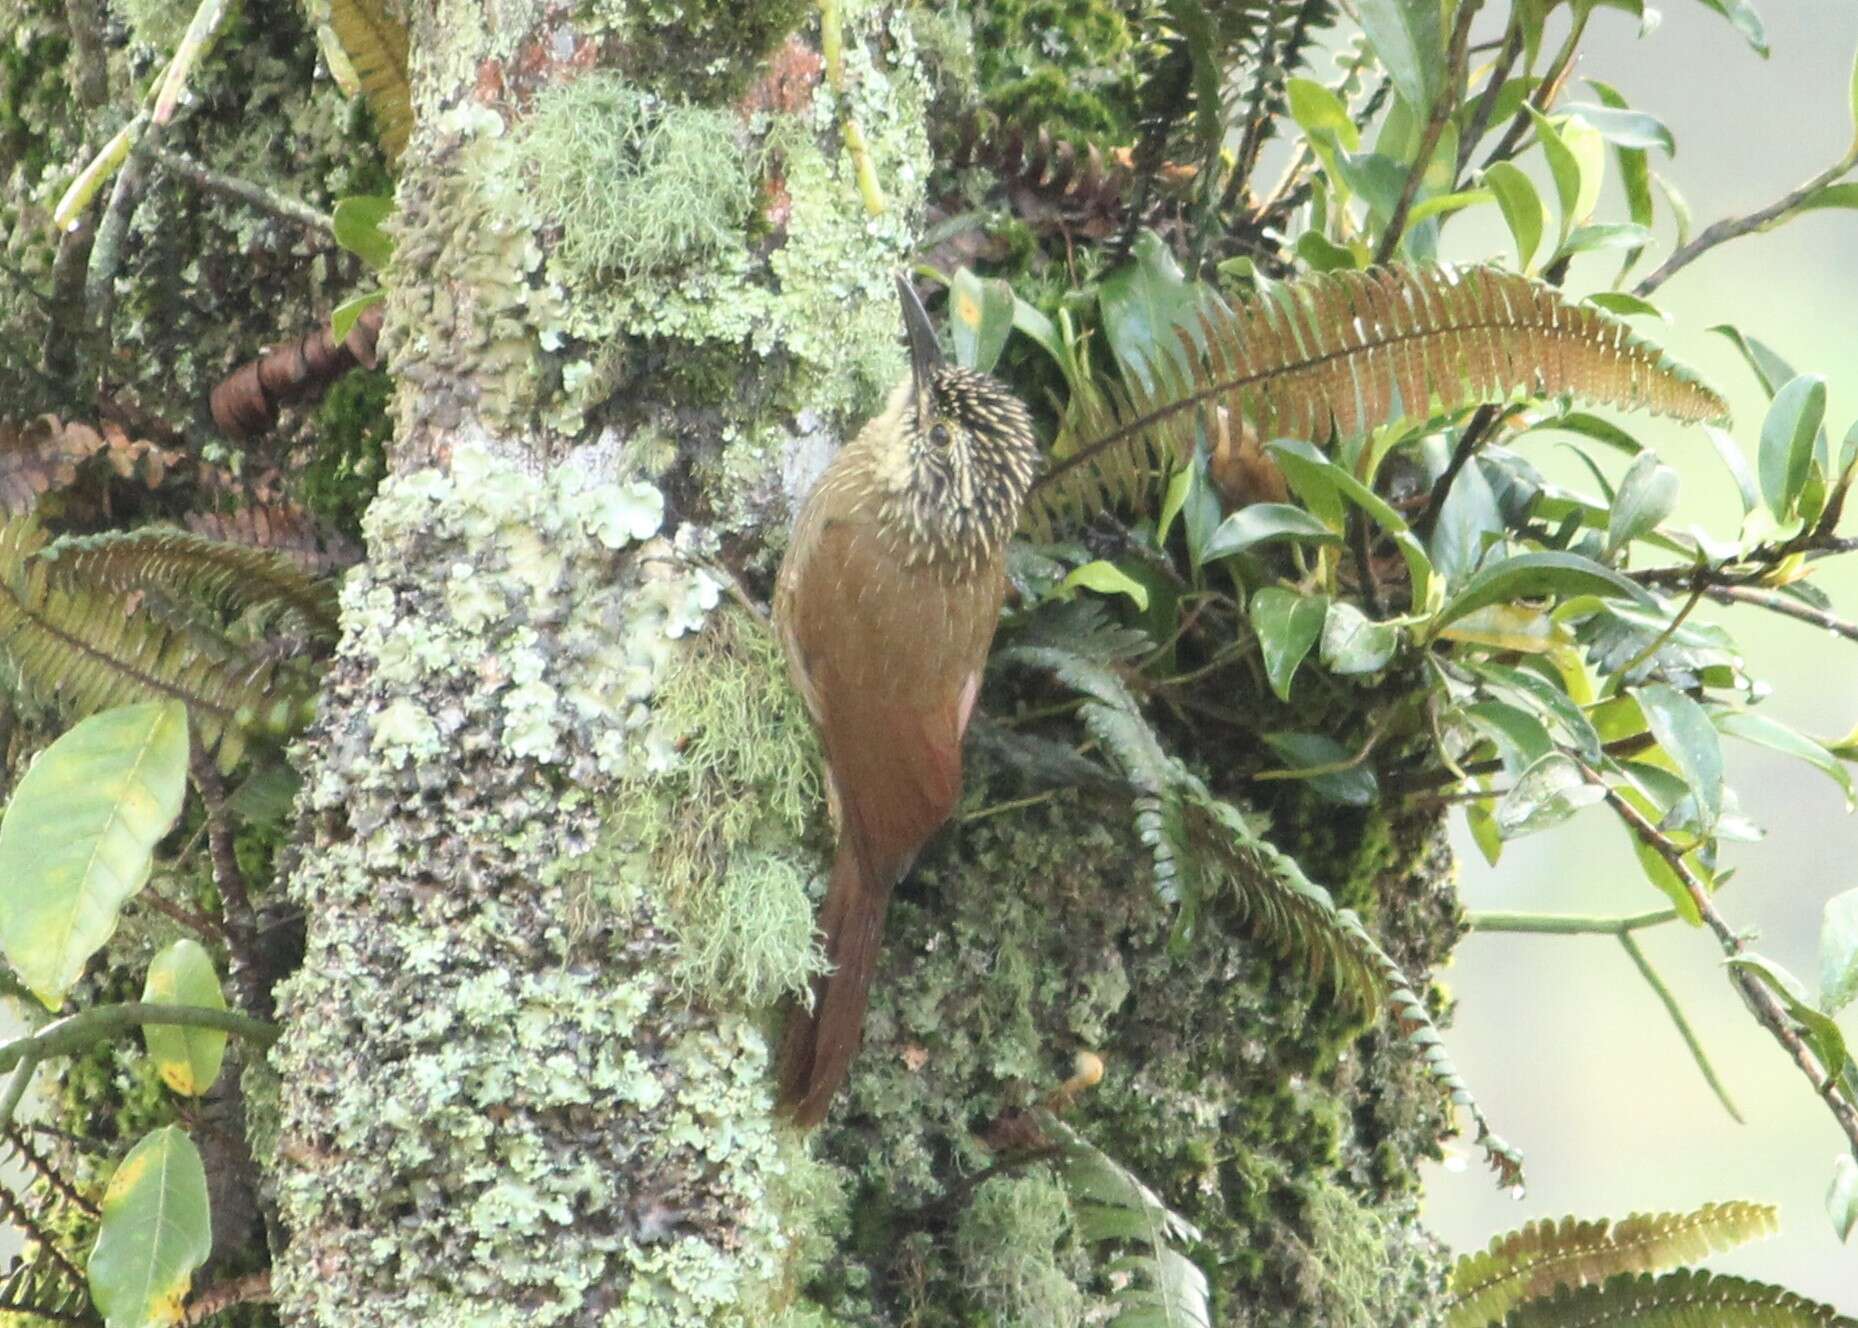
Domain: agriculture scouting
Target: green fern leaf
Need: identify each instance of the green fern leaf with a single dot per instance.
(227, 577)
(1544, 1256)
(1163, 1287)
(1338, 354)
(88, 650)
(376, 45)
(1677, 1300)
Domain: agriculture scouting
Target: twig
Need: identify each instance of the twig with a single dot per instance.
(193, 920)
(16, 1087)
(1569, 924)
(1774, 602)
(74, 1032)
(235, 903)
(1774, 214)
(106, 252)
(252, 1289)
(1546, 91)
(246, 191)
(1762, 1002)
(1487, 103)
(1684, 1030)
(1749, 567)
(1435, 125)
(1658, 642)
(1480, 423)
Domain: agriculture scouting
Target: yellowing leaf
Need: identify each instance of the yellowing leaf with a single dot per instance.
(155, 1230)
(187, 1058)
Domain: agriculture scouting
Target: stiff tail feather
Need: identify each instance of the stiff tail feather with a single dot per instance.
(819, 1044)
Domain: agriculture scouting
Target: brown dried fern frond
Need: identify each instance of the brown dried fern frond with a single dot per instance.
(376, 45)
(39, 457)
(87, 650)
(1335, 355)
(1547, 1255)
(283, 527)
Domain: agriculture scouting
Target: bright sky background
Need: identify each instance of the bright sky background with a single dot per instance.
(1566, 1048)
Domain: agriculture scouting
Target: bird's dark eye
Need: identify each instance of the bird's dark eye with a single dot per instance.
(939, 435)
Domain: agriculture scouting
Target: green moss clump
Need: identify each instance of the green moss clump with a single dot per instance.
(638, 184)
(746, 786)
(157, 23)
(352, 429)
(710, 47)
(1009, 1241)
(1059, 65)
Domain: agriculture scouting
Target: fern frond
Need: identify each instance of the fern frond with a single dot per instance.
(229, 577)
(87, 650)
(1546, 1255)
(376, 45)
(19, 1214)
(40, 1288)
(1338, 354)
(1112, 1205)
(1686, 1299)
(18, 1151)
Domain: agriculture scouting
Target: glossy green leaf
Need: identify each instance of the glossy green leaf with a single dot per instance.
(1439, 204)
(1317, 110)
(1106, 578)
(1287, 624)
(1480, 819)
(1769, 367)
(1842, 1196)
(1144, 301)
(1321, 254)
(980, 318)
(1625, 304)
(1788, 433)
(358, 228)
(1736, 464)
(1522, 208)
(1528, 575)
(1545, 795)
(1683, 730)
(1838, 952)
(1830, 196)
(1353, 643)
(347, 313)
(1354, 786)
(1469, 521)
(1752, 726)
(1295, 456)
(1746, 21)
(1521, 739)
(187, 1058)
(1647, 495)
(78, 838)
(1592, 426)
(155, 1230)
(1605, 235)
(1626, 128)
(1406, 36)
(1823, 1035)
(1262, 523)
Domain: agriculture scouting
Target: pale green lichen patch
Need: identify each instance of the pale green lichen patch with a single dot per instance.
(527, 1111)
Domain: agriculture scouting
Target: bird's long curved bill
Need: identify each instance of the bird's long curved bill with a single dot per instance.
(925, 350)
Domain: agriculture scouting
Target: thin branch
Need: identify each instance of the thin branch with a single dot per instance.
(1569, 924)
(74, 1032)
(1781, 210)
(246, 191)
(1435, 125)
(1546, 91)
(1468, 442)
(1487, 103)
(1658, 642)
(1774, 602)
(1767, 1009)
(235, 903)
(252, 1289)
(1684, 1030)
(16, 1087)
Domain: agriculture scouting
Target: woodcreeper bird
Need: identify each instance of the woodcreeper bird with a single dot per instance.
(886, 604)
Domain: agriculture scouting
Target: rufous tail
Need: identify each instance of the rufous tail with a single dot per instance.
(819, 1044)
